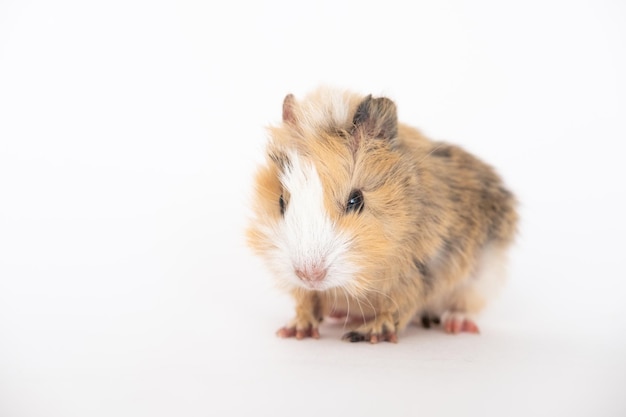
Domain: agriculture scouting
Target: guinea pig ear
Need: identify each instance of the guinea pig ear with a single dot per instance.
(375, 118)
(289, 106)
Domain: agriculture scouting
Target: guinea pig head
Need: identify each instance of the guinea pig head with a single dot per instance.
(326, 198)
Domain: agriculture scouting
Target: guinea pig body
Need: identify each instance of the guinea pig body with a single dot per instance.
(363, 218)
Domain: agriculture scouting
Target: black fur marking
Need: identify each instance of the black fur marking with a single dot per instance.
(362, 112)
(429, 321)
(281, 160)
(421, 266)
(354, 337)
(425, 274)
(442, 152)
(336, 131)
(377, 117)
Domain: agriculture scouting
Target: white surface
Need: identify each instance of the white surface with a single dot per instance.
(129, 131)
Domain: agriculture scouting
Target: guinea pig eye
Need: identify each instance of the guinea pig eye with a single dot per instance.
(355, 202)
(281, 202)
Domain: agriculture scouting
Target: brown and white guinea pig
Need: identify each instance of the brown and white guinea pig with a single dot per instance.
(363, 218)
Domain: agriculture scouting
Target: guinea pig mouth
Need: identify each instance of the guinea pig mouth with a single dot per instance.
(312, 277)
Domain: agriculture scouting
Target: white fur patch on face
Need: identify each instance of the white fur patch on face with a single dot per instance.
(308, 240)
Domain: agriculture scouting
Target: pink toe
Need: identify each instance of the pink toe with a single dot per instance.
(457, 326)
(470, 327)
(285, 332)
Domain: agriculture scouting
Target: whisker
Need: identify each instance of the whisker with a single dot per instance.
(360, 293)
(361, 308)
(431, 152)
(380, 280)
(365, 298)
(387, 296)
(345, 322)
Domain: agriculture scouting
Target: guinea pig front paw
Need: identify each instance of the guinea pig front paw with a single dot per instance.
(300, 329)
(381, 329)
(456, 322)
(286, 332)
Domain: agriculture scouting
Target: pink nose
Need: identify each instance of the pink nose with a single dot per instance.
(315, 274)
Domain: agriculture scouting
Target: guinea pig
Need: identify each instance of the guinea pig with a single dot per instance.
(364, 218)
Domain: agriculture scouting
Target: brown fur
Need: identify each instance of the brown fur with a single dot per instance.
(432, 212)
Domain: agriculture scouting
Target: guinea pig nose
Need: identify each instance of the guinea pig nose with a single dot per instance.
(314, 274)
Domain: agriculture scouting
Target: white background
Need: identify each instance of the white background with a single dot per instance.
(129, 132)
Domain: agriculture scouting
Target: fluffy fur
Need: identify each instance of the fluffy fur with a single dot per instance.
(429, 240)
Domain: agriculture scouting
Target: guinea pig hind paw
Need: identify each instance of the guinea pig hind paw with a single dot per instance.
(455, 322)
(379, 330)
(371, 337)
(353, 337)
